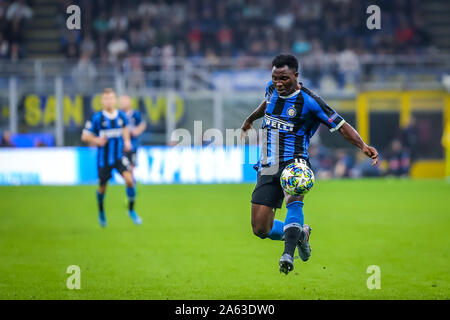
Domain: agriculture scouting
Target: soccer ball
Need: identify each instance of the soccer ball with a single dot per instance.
(297, 179)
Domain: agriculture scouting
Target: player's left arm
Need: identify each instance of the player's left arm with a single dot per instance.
(354, 138)
(141, 126)
(126, 135)
(335, 122)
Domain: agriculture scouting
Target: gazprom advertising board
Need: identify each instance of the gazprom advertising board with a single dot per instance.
(155, 165)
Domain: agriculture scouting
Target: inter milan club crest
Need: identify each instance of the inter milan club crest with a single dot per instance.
(291, 112)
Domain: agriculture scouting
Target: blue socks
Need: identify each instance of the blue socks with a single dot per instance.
(100, 197)
(131, 194)
(294, 216)
(277, 232)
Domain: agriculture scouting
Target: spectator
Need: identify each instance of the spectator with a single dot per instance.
(19, 10)
(398, 160)
(6, 139)
(343, 164)
(117, 47)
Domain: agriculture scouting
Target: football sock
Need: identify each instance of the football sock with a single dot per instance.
(293, 226)
(291, 237)
(294, 214)
(100, 197)
(277, 232)
(131, 193)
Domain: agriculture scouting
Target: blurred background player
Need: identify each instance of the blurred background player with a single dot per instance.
(109, 132)
(292, 114)
(136, 127)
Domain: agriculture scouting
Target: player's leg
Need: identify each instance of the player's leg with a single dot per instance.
(266, 198)
(104, 174)
(295, 219)
(131, 194)
(263, 223)
(131, 156)
(293, 228)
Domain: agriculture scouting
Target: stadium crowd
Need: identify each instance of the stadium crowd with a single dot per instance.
(14, 16)
(331, 34)
(212, 29)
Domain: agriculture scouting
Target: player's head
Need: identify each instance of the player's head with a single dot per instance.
(285, 73)
(109, 99)
(125, 103)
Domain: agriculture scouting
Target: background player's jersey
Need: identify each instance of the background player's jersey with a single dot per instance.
(104, 124)
(291, 121)
(134, 119)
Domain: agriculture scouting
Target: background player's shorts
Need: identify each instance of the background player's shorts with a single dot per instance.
(268, 190)
(105, 173)
(131, 156)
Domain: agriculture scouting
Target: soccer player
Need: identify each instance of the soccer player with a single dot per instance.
(109, 132)
(136, 126)
(292, 114)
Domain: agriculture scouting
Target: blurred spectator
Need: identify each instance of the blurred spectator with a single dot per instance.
(398, 159)
(408, 137)
(6, 139)
(343, 164)
(4, 47)
(87, 45)
(117, 47)
(84, 72)
(19, 10)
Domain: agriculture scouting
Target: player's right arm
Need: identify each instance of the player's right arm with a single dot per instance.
(255, 115)
(258, 112)
(91, 132)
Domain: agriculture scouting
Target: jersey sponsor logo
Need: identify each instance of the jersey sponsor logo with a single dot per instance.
(111, 133)
(291, 112)
(278, 124)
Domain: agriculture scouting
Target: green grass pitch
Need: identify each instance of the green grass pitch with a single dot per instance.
(196, 243)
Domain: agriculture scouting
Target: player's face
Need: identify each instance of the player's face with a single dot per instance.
(285, 80)
(109, 101)
(125, 103)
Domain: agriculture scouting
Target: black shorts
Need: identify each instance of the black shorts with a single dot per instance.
(105, 173)
(131, 156)
(268, 190)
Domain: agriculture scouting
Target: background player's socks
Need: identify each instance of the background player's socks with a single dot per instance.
(277, 232)
(100, 197)
(101, 212)
(131, 194)
(294, 213)
(291, 236)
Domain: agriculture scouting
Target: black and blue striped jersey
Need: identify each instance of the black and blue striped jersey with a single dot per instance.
(291, 121)
(104, 124)
(134, 119)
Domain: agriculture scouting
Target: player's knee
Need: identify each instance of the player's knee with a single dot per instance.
(129, 184)
(260, 231)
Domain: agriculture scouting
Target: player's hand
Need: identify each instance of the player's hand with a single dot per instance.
(101, 141)
(127, 145)
(247, 125)
(134, 132)
(372, 153)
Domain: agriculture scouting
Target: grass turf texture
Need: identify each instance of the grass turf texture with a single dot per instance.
(196, 243)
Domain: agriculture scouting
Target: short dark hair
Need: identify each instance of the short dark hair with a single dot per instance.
(108, 90)
(285, 60)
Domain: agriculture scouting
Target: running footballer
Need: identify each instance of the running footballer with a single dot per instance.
(292, 114)
(108, 131)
